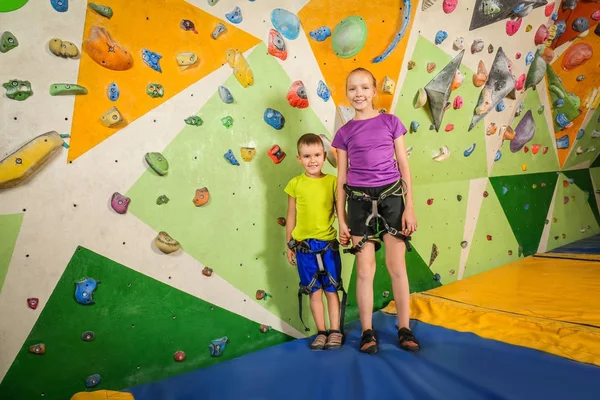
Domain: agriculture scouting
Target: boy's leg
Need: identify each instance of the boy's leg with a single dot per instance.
(333, 308)
(316, 307)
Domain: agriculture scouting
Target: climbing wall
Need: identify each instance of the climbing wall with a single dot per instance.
(142, 142)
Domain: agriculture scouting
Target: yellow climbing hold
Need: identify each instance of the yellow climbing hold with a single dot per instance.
(23, 163)
(534, 186)
(240, 66)
(102, 395)
(524, 167)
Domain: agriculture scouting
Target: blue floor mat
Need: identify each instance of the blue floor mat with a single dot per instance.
(589, 245)
(451, 365)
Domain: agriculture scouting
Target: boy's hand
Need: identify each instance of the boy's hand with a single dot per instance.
(291, 256)
(344, 235)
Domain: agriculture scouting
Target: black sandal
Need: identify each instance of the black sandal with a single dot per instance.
(405, 335)
(368, 336)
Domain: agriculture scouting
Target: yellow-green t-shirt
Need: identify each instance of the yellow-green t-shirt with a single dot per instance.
(315, 205)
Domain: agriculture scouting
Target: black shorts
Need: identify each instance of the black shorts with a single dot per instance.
(391, 209)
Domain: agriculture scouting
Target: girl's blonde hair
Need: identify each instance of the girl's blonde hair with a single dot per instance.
(366, 71)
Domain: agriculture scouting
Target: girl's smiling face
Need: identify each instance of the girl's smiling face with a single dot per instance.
(360, 90)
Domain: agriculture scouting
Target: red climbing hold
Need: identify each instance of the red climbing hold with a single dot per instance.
(485, 194)
(526, 149)
(489, 238)
(518, 55)
(549, 9)
(513, 26)
(207, 271)
(544, 150)
(281, 221)
(33, 302)
(565, 183)
(429, 202)
(510, 252)
(276, 154)
(296, 96)
(39, 348)
(179, 356)
(449, 128)
(535, 148)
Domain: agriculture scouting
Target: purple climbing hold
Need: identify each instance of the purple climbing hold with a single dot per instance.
(119, 203)
(524, 132)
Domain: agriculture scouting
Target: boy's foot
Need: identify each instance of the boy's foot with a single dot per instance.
(407, 340)
(368, 342)
(319, 342)
(334, 340)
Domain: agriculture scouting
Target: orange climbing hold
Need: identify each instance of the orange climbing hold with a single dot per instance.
(202, 196)
(105, 51)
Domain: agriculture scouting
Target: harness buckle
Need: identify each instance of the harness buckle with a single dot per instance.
(392, 231)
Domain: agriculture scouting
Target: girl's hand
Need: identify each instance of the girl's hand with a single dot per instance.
(409, 222)
(344, 235)
(291, 256)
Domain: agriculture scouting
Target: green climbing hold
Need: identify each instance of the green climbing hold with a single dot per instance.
(155, 90)
(349, 36)
(11, 5)
(8, 41)
(194, 120)
(105, 11)
(18, 90)
(162, 199)
(63, 89)
(158, 163)
(227, 121)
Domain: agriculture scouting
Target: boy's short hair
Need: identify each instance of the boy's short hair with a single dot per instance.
(308, 139)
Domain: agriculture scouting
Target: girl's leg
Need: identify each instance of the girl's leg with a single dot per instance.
(333, 306)
(365, 274)
(395, 250)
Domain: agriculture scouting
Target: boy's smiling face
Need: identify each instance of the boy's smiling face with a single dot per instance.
(312, 158)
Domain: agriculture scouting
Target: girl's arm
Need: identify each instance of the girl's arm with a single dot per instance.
(342, 167)
(409, 220)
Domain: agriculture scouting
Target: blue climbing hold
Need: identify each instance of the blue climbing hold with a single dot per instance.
(561, 27)
(562, 120)
(414, 126)
(529, 58)
(231, 158)
(151, 59)
(320, 34)
(60, 5)
(84, 290)
(92, 380)
(500, 107)
(274, 118)
(554, 16)
(113, 92)
(470, 150)
(526, 207)
(559, 103)
(581, 24)
(440, 36)
(226, 95)
(437, 277)
(504, 190)
(235, 16)
(323, 91)
(399, 34)
(286, 23)
(562, 142)
(217, 346)
(580, 133)
(498, 156)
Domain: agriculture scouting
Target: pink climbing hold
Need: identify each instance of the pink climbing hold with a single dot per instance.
(513, 26)
(119, 203)
(541, 35)
(518, 55)
(458, 102)
(449, 128)
(33, 302)
(449, 5)
(549, 9)
(596, 15)
(179, 356)
(520, 82)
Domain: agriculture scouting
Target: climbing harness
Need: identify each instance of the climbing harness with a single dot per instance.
(397, 189)
(307, 290)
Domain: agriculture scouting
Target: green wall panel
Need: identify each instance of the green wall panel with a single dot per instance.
(10, 225)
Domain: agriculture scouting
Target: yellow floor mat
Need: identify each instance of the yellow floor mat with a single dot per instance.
(551, 305)
(569, 256)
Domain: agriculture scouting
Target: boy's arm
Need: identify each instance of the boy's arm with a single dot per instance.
(290, 223)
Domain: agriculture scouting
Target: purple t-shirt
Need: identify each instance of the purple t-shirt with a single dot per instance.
(370, 147)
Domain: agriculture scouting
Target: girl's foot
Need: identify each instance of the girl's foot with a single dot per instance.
(334, 340)
(407, 340)
(319, 342)
(368, 342)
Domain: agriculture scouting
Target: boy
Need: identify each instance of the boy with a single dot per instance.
(311, 239)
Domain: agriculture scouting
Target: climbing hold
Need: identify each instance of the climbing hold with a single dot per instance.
(535, 148)
(119, 203)
(162, 199)
(8, 41)
(581, 24)
(207, 271)
(500, 106)
(526, 149)
(449, 127)
(241, 68)
(470, 150)
(225, 95)
(92, 380)
(262, 295)
(286, 23)
(439, 88)
(88, 336)
(39, 348)
(443, 154)
(18, 90)
(188, 25)
(105, 51)
(464, 244)
(518, 55)
(157, 162)
(227, 121)
(320, 34)
(596, 15)
(559, 103)
(60, 5)
(489, 238)
(217, 346)
(498, 156)
(434, 254)
(63, 89)
(519, 110)
(349, 36)
(235, 16)
(113, 92)
(84, 290)
(274, 118)
(481, 77)
(212, 2)
(562, 120)
(296, 95)
(576, 55)
(105, 11)
(580, 134)
(276, 154)
(323, 91)
(201, 197)
(277, 47)
(420, 98)
(429, 202)
(166, 243)
(513, 26)
(449, 5)
(411, 64)
(528, 58)
(476, 46)
(388, 85)
(218, 31)
(247, 153)
(536, 72)
(524, 132)
(231, 158)
(491, 129)
(458, 102)
(414, 126)
(458, 197)
(458, 80)
(430, 67)
(548, 55)
(485, 194)
(562, 142)
(541, 35)
(179, 356)
(186, 60)
(194, 120)
(447, 106)
(264, 328)
(507, 132)
(580, 78)
(399, 33)
(33, 302)
(440, 36)
(63, 48)
(331, 151)
(520, 82)
(459, 43)
(281, 221)
(524, 167)
(151, 59)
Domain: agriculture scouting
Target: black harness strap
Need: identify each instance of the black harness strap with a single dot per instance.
(396, 189)
(307, 290)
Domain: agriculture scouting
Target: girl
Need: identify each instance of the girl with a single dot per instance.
(366, 147)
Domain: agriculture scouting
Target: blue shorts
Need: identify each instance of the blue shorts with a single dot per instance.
(308, 266)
